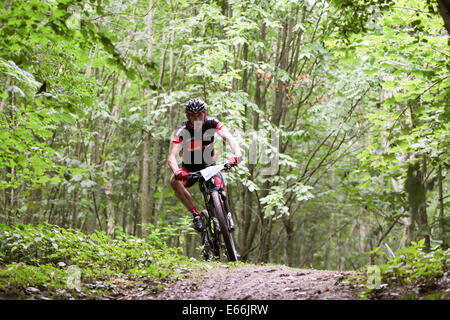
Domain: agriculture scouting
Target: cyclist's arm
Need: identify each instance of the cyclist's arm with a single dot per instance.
(175, 149)
(226, 135)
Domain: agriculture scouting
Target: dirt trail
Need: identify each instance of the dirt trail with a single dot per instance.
(223, 282)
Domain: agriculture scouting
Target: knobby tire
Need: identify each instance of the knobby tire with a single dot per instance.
(208, 236)
(227, 237)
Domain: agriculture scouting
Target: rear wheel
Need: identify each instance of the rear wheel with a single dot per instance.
(227, 237)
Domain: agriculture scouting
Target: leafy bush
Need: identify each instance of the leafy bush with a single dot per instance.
(39, 255)
(414, 264)
(23, 275)
(411, 268)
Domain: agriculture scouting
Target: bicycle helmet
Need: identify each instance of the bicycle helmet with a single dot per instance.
(195, 105)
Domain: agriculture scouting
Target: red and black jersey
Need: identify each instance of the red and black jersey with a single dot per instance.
(198, 145)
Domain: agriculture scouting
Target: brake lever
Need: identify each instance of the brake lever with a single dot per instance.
(193, 175)
(227, 166)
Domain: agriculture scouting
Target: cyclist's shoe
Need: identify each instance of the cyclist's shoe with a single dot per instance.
(198, 224)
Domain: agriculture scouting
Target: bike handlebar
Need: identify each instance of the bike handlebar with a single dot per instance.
(198, 174)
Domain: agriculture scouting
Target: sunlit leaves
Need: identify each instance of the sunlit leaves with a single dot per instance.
(11, 69)
(415, 76)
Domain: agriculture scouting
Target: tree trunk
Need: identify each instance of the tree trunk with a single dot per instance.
(162, 197)
(110, 212)
(415, 188)
(290, 235)
(444, 10)
(329, 242)
(144, 198)
(153, 179)
(3, 102)
(265, 245)
(144, 189)
(74, 206)
(442, 222)
(422, 218)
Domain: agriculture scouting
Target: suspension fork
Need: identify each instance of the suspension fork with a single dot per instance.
(204, 193)
(227, 209)
(211, 217)
(210, 207)
(225, 200)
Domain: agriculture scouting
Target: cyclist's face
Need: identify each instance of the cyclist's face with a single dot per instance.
(197, 116)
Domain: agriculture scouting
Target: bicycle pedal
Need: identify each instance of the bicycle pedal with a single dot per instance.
(216, 224)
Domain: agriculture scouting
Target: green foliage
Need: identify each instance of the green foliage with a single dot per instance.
(33, 24)
(20, 275)
(361, 15)
(39, 256)
(406, 55)
(47, 87)
(77, 77)
(414, 264)
(411, 268)
(413, 68)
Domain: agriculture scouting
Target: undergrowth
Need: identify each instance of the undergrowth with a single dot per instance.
(413, 273)
(47, 258)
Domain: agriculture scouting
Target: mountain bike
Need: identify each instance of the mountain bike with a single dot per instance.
(217, 219)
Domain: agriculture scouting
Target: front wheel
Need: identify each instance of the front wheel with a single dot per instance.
(209, 251)
(227, 237)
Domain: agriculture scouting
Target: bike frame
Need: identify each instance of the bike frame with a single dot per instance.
(212, 224)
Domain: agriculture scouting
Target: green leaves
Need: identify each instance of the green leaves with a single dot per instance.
(11, 69)
(414, 80)
(21, 150)
(274, 203)
(302, 192)
(48, 55)
(40, 256)
(411, 266)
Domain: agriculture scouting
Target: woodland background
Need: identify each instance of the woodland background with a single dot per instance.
(357, 91)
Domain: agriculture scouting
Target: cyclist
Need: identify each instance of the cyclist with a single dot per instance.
(195, 137)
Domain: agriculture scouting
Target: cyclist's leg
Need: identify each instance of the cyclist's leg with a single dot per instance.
(180, 188)
(181, 192)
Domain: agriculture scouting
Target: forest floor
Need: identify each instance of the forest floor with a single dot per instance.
(219, 281)
(251, 282)
(210, 281)
(275, 282)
